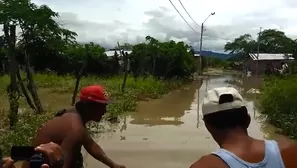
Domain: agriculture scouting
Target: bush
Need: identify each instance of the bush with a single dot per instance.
(53, 90)
(24, 130)
(278, 101)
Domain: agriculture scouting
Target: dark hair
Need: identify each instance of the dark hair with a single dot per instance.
(82, 105)
(228, 119)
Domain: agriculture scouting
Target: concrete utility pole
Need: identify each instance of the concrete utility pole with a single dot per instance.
(201, 39)
(200, 49)
(258, 50)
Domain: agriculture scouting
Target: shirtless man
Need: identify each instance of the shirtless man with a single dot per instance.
(68, 128)
(227, 119)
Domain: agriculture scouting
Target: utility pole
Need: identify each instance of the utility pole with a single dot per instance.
(200, 49)
(258, 50)
(202, 29)
(200, 62)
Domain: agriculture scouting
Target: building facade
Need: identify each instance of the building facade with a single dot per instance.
(265, 61)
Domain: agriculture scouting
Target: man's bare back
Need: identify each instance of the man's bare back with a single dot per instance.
(64, 126)
(58, 128)
(68, 130)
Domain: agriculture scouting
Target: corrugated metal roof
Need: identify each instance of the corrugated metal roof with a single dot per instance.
(266, 56)
(196, 55)
(111, 53)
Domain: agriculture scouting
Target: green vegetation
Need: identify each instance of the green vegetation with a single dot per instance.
(43, 67)
(215, 63)
(270, 40)
(278, 101)
(56, 94)
(278, 94)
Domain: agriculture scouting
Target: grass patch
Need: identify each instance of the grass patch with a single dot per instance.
(55, 93)
(278, 101)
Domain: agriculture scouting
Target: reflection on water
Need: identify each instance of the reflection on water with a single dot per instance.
(245, 84)
(169, 132)
(165, 111)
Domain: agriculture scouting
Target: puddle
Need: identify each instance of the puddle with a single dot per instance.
(168, 132)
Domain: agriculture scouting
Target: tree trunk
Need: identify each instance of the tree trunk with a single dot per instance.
(12, 89)
(154, 67)
(24, 90)
(79, 75)
(125, 57)
(32, 86)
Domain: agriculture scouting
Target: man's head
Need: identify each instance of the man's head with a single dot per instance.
(224, 111)
(93, 102)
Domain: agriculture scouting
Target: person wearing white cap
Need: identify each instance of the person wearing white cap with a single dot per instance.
(226, 118)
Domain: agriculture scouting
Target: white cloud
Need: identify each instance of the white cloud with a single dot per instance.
(109, 21)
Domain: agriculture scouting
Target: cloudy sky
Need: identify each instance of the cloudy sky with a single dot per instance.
(109, 21)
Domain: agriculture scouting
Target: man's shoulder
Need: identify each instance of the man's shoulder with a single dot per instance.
(288, 150)
(285, 143)
(209, 161)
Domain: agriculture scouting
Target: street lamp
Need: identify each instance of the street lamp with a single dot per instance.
(202, 29)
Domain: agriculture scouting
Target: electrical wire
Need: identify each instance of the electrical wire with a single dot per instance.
(193, 21)
(183, 17)
(188, 13)
(196, 22)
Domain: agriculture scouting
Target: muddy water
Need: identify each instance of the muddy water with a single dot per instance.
(168, 132)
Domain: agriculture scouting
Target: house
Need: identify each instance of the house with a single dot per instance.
(197, 60)
(258, 65)
(111, 53)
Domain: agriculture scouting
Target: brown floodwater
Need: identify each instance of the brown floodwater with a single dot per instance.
(169, 132)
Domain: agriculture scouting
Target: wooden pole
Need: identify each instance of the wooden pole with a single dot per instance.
(258, 50)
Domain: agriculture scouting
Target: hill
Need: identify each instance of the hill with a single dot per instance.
(222, 56)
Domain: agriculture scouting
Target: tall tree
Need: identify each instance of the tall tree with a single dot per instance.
(270, 40)
(12, 89)
(162, 59)
(38, 27)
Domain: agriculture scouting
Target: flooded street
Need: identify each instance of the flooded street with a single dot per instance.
(167, 132)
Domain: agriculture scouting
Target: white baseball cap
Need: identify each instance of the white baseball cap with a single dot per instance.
(211, 100)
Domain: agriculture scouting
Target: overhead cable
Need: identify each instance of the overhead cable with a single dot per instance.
(188, 13)
(192, 19)
(183, 17)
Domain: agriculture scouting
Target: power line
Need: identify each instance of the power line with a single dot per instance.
(188, 13)
(183, 17)
(193, 20)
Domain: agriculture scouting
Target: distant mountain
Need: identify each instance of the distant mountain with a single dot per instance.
(222, 56)
(237, 58)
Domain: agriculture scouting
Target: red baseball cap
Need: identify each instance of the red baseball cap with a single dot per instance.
(94, 93)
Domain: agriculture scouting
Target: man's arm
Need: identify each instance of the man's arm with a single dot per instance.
(96, 151)
(288, 149)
